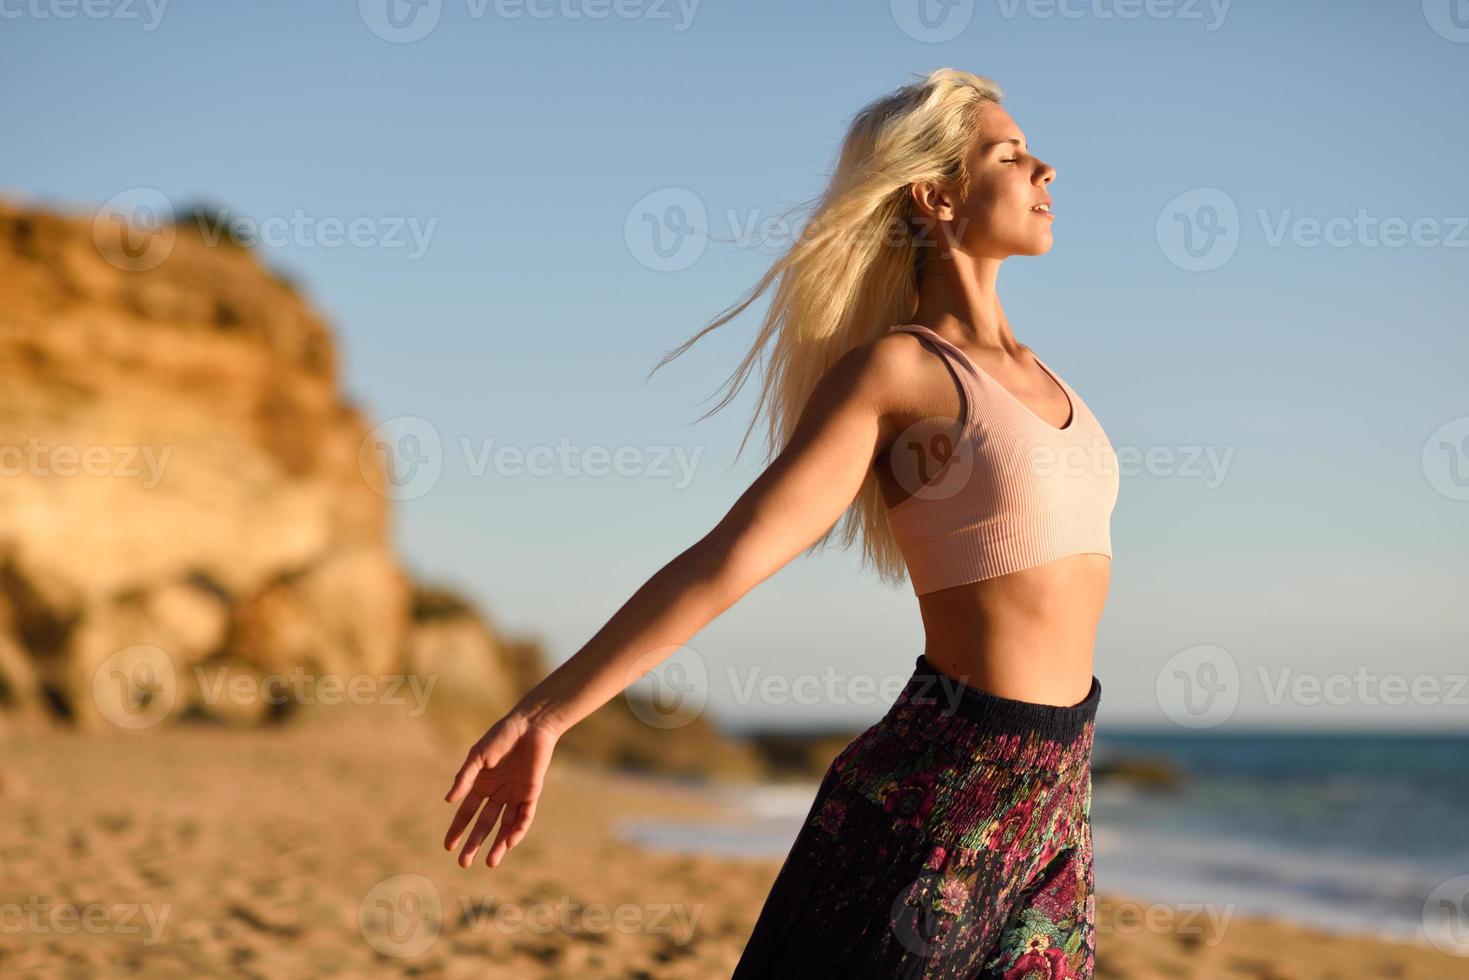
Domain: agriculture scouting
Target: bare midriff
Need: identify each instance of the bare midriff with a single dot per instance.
(1028, 635)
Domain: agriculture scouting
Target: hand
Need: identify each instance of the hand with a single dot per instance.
(505, 770)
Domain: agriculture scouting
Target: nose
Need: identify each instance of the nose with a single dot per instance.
(1045, 173)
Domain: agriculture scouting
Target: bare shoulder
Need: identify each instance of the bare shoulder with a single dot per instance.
(886, 366)
(885, 376)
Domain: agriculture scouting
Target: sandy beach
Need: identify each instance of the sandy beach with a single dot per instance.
(314, 849)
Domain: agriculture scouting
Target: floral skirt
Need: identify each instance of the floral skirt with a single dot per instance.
(951, 839)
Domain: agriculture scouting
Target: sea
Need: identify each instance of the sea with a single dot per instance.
(1356, 833)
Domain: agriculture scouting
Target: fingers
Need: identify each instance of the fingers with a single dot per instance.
(464, 778)
(462, 816)
(512, 830)
(482, 828)
(507, 784)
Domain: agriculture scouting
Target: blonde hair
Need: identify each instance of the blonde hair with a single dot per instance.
(854, 271)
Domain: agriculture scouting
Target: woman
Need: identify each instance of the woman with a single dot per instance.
(952, 838)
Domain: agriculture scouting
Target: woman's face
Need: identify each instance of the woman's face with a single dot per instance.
(996, 216)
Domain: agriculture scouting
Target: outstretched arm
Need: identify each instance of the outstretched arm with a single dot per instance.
(788, 507)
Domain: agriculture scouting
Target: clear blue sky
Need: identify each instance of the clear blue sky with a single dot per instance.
(1321, 370)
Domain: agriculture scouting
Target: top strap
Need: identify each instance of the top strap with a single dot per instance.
(960, 365)
(958, 355)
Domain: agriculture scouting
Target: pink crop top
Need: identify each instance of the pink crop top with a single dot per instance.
(1016, 491)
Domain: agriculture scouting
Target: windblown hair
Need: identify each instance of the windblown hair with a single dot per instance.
(854, 270)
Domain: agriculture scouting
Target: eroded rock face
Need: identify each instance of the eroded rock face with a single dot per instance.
(180, 471)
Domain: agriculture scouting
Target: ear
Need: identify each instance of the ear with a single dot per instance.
(933, 212)
(932, 200)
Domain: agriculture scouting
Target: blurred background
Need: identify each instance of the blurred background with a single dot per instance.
(326, 428)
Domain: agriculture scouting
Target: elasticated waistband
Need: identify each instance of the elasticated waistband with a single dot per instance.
(931, 686)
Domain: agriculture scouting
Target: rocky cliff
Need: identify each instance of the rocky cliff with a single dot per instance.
(186, 501)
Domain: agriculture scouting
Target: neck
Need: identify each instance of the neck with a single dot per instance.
(960, 295)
